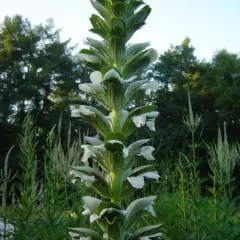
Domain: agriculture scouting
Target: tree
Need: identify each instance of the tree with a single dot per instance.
(39, 75)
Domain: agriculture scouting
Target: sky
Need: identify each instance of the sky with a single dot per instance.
(211, 24)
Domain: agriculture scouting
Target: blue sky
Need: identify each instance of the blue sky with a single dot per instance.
(211, 24)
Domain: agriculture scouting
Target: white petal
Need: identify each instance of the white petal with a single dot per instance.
(93, 141)
(152, 114)
(74, 181)
(84, 238)
(144, 238)
(138, 205)
(158, 235)
(85, 110)
(86, 210)
(91, 88)
(72, 234)
(96, 77)
(150, 210)
(91, 204)
(153, 54)
(84, 177)
(151, 175)
(152, 85)
(75, 113)
(130, 79)
(139, 121)
(94, 217)
(136, 182)
(133, 147)
(89, 151)
(115, 141)
(146, 152)
(89, 180)
(151, 125)
(112, 74)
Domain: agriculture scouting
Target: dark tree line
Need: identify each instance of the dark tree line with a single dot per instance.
(40, 73)
(214, 87)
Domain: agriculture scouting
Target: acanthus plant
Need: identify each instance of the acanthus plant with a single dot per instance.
(114, 84)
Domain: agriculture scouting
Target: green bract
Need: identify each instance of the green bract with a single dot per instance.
(115, 85)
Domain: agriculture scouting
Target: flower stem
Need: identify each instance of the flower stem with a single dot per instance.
(116, 188)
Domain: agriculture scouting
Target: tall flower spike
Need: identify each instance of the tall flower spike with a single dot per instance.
(114, 85)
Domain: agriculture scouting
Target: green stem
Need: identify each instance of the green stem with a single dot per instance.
(117, 116)
(116, 188)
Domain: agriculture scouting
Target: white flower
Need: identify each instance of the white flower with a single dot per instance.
(152, 54)
(150, 210)
(138, 181)
(146, 152)
(115, 141)
(85, 110)
(137, 206)
(72, 234)
(125, 114)
(8, 227)
(151, 125)
(91, 205)
(88, 179)
(77, 235)
(105, 236)
(130, 79)
(91, 88)
(151, 85)
(96, 77)
(112, 74)
(133, 147)
(140, 120)
(89, 151)
(153, 236)
(75, 113)
(93, 141)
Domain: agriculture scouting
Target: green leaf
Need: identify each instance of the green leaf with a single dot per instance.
(96, 53)
(142, 169)
(144, 231)
(99, 121)
(128, 127)
(134, 49)
(114, 92)
(119, 9)
(135, 210)
(87, 55)
(88, 232)
(99, 27)
(115, 136)
(100, 185)
(104, 205)
(90, 171)
(99, 46)
(128, 191)
(132, 90)
(137, 20)
(102, 10)
(138, 62)
(118, 27)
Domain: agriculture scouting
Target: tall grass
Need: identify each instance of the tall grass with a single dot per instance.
(46, 203)
(182, 207)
